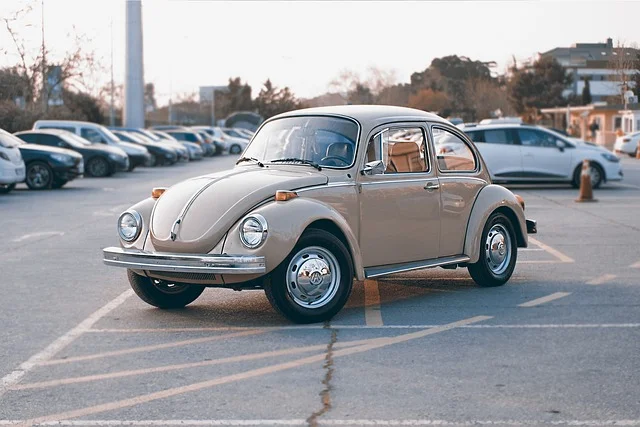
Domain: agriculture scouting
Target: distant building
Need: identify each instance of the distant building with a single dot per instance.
(207, 92)
(593, 62)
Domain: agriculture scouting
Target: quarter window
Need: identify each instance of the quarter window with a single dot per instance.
(452, 152)
(401, 149)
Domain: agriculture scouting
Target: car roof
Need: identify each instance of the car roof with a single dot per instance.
(369, 113)
(49, 131)
(473, 127)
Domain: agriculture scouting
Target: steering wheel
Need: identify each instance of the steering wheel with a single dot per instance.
(338, 158)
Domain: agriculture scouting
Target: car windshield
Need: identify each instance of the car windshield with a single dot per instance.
(9, 141)
(325, 141)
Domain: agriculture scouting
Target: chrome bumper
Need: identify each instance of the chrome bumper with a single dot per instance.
(182, 263)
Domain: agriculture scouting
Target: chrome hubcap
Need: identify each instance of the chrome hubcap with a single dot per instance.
(38, 176)
(498, 249)
(168, 287)
(313, 277)
(595, 175)
(98, 168)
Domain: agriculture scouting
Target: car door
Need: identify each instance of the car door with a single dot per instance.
(460, 177)
(400, 202)
(500, 150)
(542, 156)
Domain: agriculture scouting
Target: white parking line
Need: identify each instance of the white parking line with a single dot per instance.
(562, 257)
(602, 279)
(543, 300)
(372, 314)
(38, 234)
(48, 353)
(328, 422)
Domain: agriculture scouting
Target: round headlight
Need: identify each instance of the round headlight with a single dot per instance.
(129, 226)
(253, 231)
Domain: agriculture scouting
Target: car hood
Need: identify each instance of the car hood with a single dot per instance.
(207, 206)
(103, 148)
(48, 149)
(588, 145)
(131, 149)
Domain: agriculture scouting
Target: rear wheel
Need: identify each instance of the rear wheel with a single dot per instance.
(6, 188)
(163, 294)
(498, 253)
(314, 282)
(98, 167)
(39, 176)
(235, 149)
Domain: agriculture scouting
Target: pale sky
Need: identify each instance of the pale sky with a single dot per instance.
(304, 45)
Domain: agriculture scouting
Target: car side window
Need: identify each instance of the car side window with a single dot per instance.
(50, 140)
(452, 152)
(536, 138)
(401, 149)
(91, 135)
(498, 136)
(476, 136)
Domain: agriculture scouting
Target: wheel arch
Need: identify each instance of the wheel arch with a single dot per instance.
(578, 167)
(493, 198)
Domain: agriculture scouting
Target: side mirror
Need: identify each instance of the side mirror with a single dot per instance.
(560, 145)
(376, 167)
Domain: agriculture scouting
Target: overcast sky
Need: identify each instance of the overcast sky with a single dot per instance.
(305, 44)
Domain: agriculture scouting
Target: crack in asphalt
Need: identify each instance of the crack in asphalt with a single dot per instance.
(325, 394)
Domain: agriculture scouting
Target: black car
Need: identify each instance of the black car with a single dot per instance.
(159, 155)
(100, 160)
(50, 167)
(192, 136)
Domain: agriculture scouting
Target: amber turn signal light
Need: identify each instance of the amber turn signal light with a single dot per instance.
(157, 192)
(520, 200)
(283, 196)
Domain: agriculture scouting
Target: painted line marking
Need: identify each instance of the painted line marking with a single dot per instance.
(327, 422)
(372, 313)
(38, 234)
(277, 328)
(318, 358)
(562, 257)
(543, 300)
(626, 185)
(635, 265)
(602, 279)
(59, 344)
(147, 348)
(530, 250)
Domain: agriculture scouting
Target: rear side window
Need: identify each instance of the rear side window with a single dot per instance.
(476, 136)
(498, 136)
(536, 138)
(452, 152)
(30, 138)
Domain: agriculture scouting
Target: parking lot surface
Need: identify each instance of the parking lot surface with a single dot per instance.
(559, 344)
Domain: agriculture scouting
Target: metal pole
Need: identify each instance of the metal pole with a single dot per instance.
(112, 113)
(213, 107)
(134, 82)
(45, 102)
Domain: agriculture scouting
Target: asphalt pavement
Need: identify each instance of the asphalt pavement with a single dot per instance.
(558, 345)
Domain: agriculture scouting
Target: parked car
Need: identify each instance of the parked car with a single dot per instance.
(525, 153)
(235, 133)
(48, 167)
(98, 134)
(147, 136)
(212, 147)
(193, 136)
(168, 127)
(249, 134)
(12, 168)
(627, 144)
(216, 137)
(99, 160)
(300, 216)
(160, 156)
(195, 150)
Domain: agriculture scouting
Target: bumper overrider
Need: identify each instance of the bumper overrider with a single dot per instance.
(182, 263)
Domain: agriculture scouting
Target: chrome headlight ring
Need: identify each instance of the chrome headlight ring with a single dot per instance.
(253, 231)
(129, 225)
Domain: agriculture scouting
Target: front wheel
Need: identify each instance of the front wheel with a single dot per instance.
(39, 176)
(314, 282)
(98, 167)
(595, 171)
(235, 149)
(163, 294)
(498, 253)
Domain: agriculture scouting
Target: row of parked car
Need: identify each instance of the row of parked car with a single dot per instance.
(55, 152)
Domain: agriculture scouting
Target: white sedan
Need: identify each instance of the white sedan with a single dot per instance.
(627, 144)
(526, 153)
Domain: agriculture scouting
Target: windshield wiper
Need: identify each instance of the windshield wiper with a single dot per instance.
(297, 160)
(248, 159)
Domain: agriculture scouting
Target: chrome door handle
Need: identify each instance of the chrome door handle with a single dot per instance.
(430, 186)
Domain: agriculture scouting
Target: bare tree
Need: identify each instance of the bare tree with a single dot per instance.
(624, 65)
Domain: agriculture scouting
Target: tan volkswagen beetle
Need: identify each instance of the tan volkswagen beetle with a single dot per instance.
(319, 197)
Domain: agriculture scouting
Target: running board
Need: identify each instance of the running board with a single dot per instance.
(415, 265)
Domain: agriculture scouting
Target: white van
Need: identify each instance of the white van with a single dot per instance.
(98, 134)
(12, 168)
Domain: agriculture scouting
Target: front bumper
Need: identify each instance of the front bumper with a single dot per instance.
(136, 160)
(182, 263)
(12, 174)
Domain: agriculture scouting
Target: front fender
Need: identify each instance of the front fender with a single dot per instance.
(491, 198)
(286, 221)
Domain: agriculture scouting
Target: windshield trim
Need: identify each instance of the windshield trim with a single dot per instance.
(339, 116)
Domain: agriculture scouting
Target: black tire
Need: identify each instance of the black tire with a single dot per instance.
(59, 183)
(485, 272)
(39, 176)
(575, 183)
(332, 300)
(131, 167)
(153, 161)
(6, 188)
(98, 167)
(158, 293)
(235, 149)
